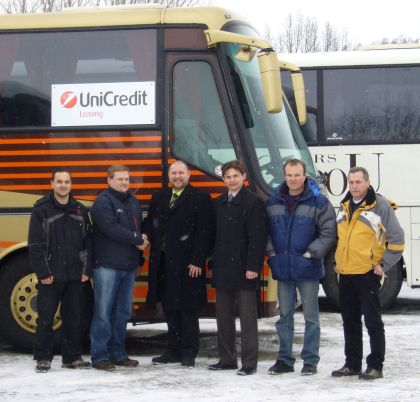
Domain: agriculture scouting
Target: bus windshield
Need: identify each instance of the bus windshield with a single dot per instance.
(273, 137)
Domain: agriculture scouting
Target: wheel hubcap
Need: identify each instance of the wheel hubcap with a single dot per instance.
(23, 304)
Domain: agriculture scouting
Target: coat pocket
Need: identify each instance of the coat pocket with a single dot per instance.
(278, 264)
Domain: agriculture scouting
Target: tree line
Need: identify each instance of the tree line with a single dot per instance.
(33, 6)
(303, 34)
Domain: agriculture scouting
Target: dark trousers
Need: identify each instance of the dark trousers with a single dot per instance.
(183, 325)
(48, 299)
(359, 294)
(183, 332)
(226, 301)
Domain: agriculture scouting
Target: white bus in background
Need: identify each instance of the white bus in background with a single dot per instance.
(364, 110)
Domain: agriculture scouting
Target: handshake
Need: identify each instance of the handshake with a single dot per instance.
(145, 244)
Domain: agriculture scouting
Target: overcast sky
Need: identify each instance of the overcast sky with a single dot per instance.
(365, 20)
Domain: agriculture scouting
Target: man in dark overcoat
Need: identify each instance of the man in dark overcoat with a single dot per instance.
(241, 235)
(180, 228)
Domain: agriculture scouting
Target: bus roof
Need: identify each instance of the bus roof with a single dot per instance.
(371, 57)
(211, 17)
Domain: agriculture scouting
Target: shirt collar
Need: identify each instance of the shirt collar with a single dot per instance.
(177, 192)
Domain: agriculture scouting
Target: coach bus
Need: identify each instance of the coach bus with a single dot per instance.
(364, 109)
(142, 86)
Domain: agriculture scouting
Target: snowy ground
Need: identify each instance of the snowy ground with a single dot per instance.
(19, 382)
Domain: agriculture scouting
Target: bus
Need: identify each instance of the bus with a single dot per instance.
(363, 109)
(142, 86)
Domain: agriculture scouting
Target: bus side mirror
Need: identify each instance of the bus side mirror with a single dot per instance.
(270, 78)
(245, 53)
(299, 93)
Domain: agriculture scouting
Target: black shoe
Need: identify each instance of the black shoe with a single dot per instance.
(345, 371)
(166, 358)
(188, 361)
(42, 366)
(104, 365)
(126, 362)
(280, 367)
(308, 369)
(371, 374)
(246, 371)
(76, 364)
(221, 366)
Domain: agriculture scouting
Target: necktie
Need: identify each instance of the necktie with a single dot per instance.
(173, 200)
(230, 197)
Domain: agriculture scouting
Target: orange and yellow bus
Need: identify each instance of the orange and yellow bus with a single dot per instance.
(87, 88)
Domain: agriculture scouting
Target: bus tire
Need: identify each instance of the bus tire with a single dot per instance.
(18, 293)
(388, 293)
(391, 286)
(330, 281)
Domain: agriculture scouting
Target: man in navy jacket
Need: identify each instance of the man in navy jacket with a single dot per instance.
(302, 231)
(118, 242)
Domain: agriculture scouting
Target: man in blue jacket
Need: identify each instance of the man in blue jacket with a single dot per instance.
(117, 241)
(302, 231)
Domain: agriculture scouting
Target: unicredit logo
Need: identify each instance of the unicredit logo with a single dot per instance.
(68, 99)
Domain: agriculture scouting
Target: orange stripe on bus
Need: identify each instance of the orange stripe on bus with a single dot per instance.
(140, 292)
(80, 139)
(93, 197)
(76, 186)
(207, 184)
(82, 151)
(211, 293)
(197, 173)
(81, 174)
(83, 163)
(4, 244)
(266, 270)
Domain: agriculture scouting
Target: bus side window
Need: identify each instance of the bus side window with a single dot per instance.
(200, 133)
(309, 129)
(365, 105)
(31, 63)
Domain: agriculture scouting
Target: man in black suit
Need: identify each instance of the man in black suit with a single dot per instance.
(180, 228)
(241, 235)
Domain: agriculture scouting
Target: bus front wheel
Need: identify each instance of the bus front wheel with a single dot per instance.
(390, 285)
(18, 309)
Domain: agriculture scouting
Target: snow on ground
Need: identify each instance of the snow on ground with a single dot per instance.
(19, 382)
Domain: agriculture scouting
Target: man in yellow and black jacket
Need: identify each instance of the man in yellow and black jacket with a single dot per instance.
(370, 243)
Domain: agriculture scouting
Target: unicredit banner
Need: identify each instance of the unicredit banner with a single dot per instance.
(103, 104)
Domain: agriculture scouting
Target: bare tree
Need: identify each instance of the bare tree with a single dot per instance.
(311, 36)
(168, 3)
(19, 6)
(286, 38)
(330, 38)
(76, 3)
(346, 43)
(302, 34)
(268, 36)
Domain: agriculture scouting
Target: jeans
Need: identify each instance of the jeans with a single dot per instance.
(48, 300)
(359, 294)
(113, 297)
(285, 325)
